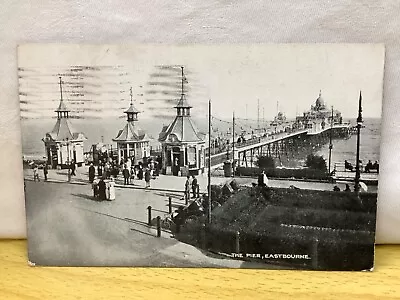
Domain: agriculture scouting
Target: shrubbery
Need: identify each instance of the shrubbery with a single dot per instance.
(259, 223)
(316, 162)
(265, 162)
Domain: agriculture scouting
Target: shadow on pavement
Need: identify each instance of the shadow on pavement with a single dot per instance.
(136, 221)
(168, 194)
(123, 219)
(142, 232)
(87, 197)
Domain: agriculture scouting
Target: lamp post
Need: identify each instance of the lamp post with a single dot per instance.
(330, 145)
(209, 164)
(233, 144)
(68, 159)
(359, 124)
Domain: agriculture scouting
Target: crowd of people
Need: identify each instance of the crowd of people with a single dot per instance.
(103, 176)
(108, 171)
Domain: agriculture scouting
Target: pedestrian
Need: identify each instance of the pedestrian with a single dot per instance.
(132, 173)
(147, 177)
(35, 173)
(176, 167)
(100, 170)
(107, 170)
(73, 168)
(107, 189)
(111, 189)
(95, 188)
(126, 175)
(195, 187)
(102, 189)
(128, 163)
(140, 173)
(45, 171)
(156, 169)
(187, 188)
(91, 173)
(262, 179)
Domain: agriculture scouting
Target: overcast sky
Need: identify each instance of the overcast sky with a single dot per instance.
(97, 78)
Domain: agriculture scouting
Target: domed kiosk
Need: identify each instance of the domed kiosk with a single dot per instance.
(183, 146)
(132, 142)
(63, 144)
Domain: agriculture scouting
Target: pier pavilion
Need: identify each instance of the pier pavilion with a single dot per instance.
(132, 142)
(319, 116)
(183, 146)
(63, 144)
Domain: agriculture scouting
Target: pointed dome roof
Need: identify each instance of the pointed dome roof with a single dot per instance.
(131, 133)
(63, 130)
(132, 109)
(183, 103)
(183, 129)
(62, 107)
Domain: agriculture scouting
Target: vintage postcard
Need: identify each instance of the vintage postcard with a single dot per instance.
(236, 156)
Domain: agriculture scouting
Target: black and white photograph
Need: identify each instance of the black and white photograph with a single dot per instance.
(261, 156)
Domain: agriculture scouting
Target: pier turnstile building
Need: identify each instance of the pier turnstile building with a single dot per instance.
(183, 146)
(64, 144)
(132, 141)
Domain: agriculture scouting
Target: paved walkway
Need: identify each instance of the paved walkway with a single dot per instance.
(67, 227)
(176, 184)
(160, 183)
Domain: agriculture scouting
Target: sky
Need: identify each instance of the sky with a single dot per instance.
(251, 80)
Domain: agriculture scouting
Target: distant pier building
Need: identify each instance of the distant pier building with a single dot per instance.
(64, 144)
(319, 116)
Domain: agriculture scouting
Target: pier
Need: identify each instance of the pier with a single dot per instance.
(277, 145)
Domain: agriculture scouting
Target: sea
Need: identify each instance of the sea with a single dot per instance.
(104, 130)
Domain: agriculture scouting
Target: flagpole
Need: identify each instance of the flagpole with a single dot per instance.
(182, 80)
(209, 162)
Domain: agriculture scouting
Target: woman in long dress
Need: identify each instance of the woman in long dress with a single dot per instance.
(107, 189)
(111, 189)
(102, 189)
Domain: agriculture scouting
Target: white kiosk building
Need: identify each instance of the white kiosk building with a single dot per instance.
(183, 146)
(132, 142)
(63, 144)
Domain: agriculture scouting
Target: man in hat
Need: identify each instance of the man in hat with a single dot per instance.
(45, 171)
(91, 173)
(126, 174)
(187, 188)
(195, 187)
(73, 168)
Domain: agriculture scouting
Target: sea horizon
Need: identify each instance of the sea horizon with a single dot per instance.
(33, 130)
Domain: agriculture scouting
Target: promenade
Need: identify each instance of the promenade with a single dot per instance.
(67, 226)
(175, 184)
